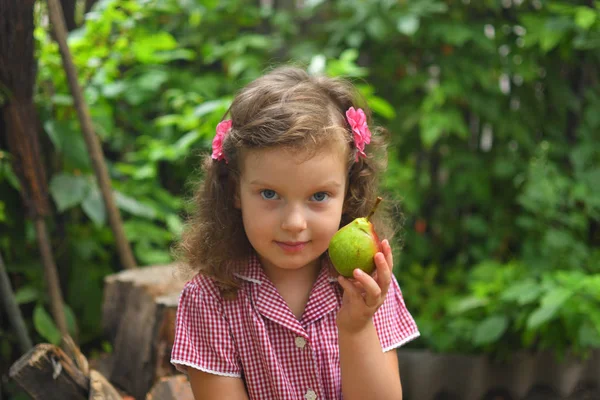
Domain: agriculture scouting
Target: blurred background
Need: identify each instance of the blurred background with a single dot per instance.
(494, 112)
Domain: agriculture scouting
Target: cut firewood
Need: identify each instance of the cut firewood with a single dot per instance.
(47, 373)
(101, 389)
(138, 316)
(176, 387)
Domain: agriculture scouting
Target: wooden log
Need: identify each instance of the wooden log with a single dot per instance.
(101, 389)
(46, 372)
(176, 387)
(138, 316)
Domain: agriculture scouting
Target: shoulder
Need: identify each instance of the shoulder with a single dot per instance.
(208, 289)
(200, 288)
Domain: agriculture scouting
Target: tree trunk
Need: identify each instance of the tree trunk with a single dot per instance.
(89, 4)
(17, 75)
(69, 13)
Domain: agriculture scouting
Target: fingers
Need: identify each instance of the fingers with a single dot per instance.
(387, 252)
(351, 289)
(384, 274)
(372, 290)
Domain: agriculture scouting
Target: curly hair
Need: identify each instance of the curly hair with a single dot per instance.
(292, 110)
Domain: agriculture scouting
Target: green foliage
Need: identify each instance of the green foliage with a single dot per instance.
(500, 307)
(495, 149)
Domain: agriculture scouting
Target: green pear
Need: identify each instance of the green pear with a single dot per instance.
(355, 246)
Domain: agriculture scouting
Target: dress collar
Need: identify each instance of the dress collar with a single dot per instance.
(324, 297)
(253, 272)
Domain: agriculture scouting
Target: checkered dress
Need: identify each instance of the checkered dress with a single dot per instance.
(258, 338)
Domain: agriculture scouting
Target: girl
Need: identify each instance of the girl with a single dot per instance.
(265, 317)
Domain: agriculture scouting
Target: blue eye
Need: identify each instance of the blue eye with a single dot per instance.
(320, 196)
(268, 194)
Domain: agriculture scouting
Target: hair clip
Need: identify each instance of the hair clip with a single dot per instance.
(362, 135)
(223, 129)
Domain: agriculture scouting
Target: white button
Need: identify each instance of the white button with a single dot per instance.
(300, 342)
(310, 395)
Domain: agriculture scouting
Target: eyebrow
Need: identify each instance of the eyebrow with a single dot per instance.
(326, 184)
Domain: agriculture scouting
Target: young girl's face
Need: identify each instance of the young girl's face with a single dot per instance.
(291, 206)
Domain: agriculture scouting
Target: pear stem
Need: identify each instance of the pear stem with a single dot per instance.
(374, 207)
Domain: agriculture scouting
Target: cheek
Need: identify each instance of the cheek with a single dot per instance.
(329, 223)
(258, 219)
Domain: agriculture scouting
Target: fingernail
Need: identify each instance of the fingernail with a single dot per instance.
(358, 271)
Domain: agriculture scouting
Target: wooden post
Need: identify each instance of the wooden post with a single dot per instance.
(91, 140)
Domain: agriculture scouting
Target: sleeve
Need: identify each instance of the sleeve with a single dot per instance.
(395, 326)
(202, 336)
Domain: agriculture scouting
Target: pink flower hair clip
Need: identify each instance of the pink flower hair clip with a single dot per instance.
(362, 135)
(223, 129)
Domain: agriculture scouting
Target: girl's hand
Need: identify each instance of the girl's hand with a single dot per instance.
(365, 294)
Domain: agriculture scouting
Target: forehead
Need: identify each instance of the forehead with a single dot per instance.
(294, 169)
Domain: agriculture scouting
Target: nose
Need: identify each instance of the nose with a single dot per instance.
(293, 219)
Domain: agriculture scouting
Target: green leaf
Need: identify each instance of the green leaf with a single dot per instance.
(490, 330)
(430, 134)
(93, 206)
(174, 224)
(6, 172)
(381, 107)
(524, 292)
(184, 142)
(209, 107)
(133, 206)
(550, 304)
(551, 37)
(149, 255)
(585, 17)
(68, 190)
(408, 24)
(69, 142)
(467, 304)
(45, 326)
(146, 47)
(26, 294)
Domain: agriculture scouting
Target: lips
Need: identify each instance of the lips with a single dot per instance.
(292, 247)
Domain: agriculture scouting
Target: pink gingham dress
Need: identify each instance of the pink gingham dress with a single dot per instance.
(258, 338)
